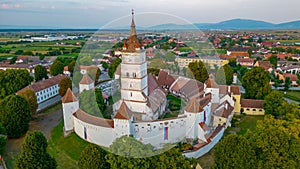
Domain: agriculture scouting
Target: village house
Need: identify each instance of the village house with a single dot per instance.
(45, 89)
(252, 107)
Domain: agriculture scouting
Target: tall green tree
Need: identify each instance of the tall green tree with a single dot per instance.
(64, 84)
(234, 151)
(273, 60)
(71, 66)
(272, 103)
(30, 96)
(113, 67)
(2, 139)
(224, 75)
(13, 80)
(93, 157)
(256, 83)
(198, 71)
(287, 83)
(15, 115)
(34, 153)
(40, 72)
(56, 68)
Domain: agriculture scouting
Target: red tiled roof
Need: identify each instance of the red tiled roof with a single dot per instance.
(193, 106)
(86, 79)
(68, 97)
(292, 77)
(97, 121)
(152, 83)
(249, 103)
(234, 89)
(44, 84)
(124, 112)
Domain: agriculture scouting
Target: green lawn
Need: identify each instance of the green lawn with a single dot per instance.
(175, 103)
(240, 124)
(293, 95)
(51, 109)
(66, 150)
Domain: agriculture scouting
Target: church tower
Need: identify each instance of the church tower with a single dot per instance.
(134, 81)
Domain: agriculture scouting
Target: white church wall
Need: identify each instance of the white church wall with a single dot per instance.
(68, 110)
(206, 148)
(99, 135)
(122, 127)
(133, 71)
(134, 84)
(214, 94)
(159, 133)
(83, 87)
(132, 95)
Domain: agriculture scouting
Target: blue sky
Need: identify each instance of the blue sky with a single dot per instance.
(96, 13)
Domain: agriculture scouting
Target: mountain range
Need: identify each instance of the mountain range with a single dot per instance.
(234, 24)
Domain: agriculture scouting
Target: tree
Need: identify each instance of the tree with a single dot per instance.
(71, 66)
(30, 97)
(243, 71)
(127, 152)
(273, 60)
(158, 64)
(153, 71)
(64, 84)
(276, 143)
(287, 83)
(224, 75)
(113, 67)
(76, 78)
(2, 139)
(56, 68)
(15, 115)
(94, 73)
(272, 103)
(104, 65)
(93, 157)
(40, 73)
(227, 157)
(256, 83)
(198, 71)
(232, 62)
(13, 80)
(34, 153)
(100, 100)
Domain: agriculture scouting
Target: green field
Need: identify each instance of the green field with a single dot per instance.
(175, 103)
(293, 95)
(66, 150)
(242, 123)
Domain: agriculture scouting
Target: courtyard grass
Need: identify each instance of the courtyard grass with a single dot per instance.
(175, 103)
(242, 123)
(66, 150)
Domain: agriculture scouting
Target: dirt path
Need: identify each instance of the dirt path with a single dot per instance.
(44, 123)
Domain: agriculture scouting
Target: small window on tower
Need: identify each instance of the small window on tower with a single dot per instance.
(131, 94)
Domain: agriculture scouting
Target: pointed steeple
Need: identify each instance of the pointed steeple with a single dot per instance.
(133, 42)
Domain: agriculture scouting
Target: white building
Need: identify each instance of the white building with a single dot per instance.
(86, 83)
(45, 89)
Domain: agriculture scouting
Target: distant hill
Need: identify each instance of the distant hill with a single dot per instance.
(234, 24)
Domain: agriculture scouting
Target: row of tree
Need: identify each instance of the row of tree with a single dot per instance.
(127, 152)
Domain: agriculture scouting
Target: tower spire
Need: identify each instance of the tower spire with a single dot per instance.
(133, 42)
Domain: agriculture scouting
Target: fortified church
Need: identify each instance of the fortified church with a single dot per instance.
(208, 111)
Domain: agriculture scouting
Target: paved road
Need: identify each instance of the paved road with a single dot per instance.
(48, 103)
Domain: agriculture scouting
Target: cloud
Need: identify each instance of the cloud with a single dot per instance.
(10, 6)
